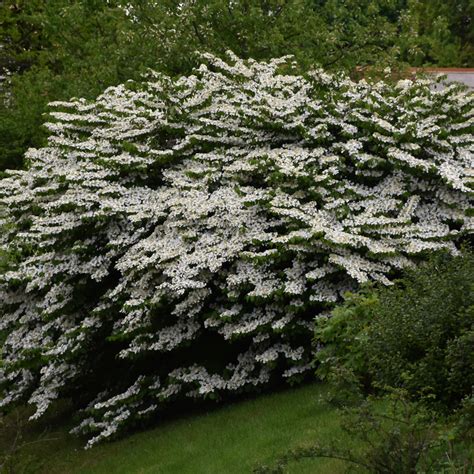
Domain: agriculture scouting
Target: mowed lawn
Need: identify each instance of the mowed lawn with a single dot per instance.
(227, 439)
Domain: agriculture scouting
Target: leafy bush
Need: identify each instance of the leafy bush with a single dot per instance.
(418, 334)
(13, 460)
(341, 339)
(422, 337)
(176, 237)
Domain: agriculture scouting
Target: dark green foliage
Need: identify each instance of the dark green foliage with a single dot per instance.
(12, 433)
(54, 50)
(421, 336)
(342, 338)
(445, 33)
(418, 335)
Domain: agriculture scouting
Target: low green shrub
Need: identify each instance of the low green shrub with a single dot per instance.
(417, 334)
(14, 438)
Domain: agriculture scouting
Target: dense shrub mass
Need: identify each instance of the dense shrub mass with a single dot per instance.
(417, 335)
(176, 238)
(423, 335)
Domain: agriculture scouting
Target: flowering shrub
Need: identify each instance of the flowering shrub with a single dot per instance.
(176, 238)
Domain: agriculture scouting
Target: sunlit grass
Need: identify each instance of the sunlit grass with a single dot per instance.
(228, 439)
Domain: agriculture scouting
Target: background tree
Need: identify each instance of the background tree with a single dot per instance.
(52, 50)
(437, 32)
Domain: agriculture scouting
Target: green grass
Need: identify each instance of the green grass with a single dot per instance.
(228, 439)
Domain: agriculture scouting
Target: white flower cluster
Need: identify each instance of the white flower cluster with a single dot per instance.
(178, 237)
